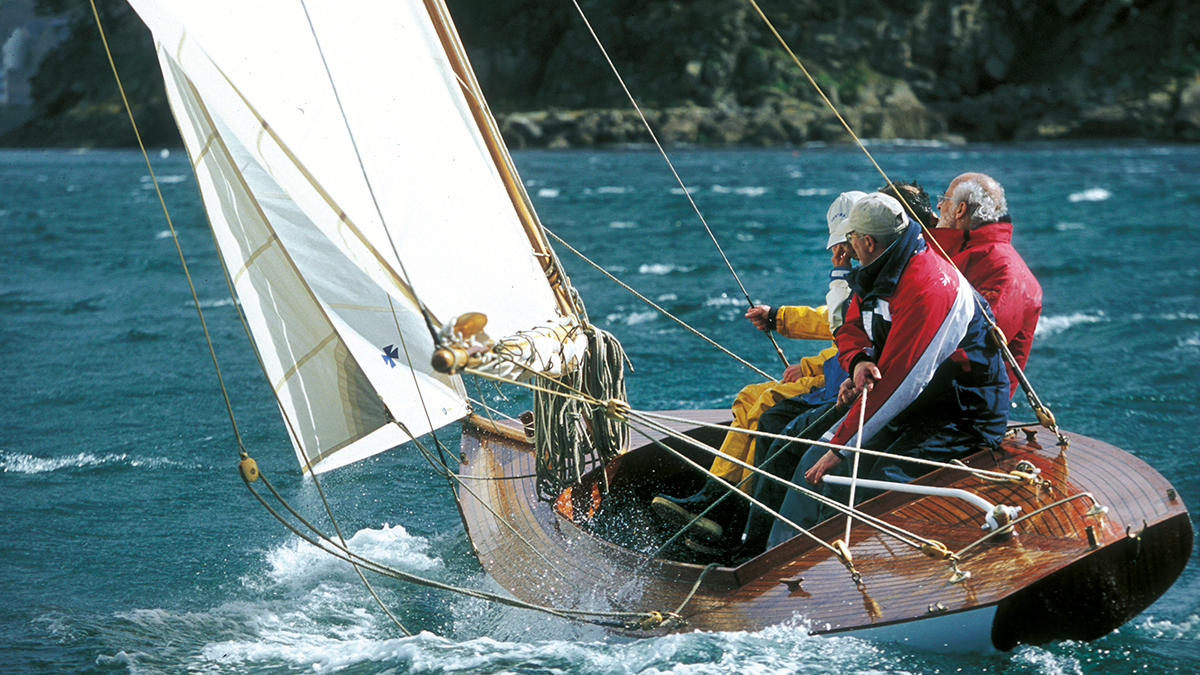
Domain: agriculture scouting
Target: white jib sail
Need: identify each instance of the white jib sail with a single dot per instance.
(345, 177)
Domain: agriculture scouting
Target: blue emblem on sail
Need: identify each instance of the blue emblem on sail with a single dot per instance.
(390, 354)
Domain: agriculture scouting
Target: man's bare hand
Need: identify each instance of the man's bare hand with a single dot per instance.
(866, 374)
(827, 463)
(793, 372)
(840, 255)
(758, 316)
(846, 393)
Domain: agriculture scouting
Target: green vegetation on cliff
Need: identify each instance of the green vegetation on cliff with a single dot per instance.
(712, 73)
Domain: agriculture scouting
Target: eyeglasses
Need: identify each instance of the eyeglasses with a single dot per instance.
(851, 235)
(940, 199)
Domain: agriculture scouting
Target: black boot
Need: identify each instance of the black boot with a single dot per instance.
(754, 537)
(685, 509)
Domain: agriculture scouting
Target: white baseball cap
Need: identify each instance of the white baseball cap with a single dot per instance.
(839, 212)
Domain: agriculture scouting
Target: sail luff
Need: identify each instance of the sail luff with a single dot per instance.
(444, 25)
(358, 194)
(368, 428)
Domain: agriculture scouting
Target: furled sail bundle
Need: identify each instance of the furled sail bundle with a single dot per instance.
(361, 201)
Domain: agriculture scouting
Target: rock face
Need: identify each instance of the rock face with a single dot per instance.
(711, 72)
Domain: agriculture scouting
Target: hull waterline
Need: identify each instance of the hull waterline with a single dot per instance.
(1054, 580)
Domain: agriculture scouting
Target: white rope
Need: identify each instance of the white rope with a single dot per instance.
(862, 415)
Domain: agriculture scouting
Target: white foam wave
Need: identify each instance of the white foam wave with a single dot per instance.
(548, 193)
(814, 192)
(299, 564)
(679, 191)
(725, 300)
(1066, 227)
(165, 180)
(622, 225)
(747, 191)
(1053, 325)
(1090, 195)
(16, 462)
(221, 302)
(279, 635)
(776, 650)
(1048, 662)
(661, 269)
(1188, 629)
(611, 190)
(631, 319)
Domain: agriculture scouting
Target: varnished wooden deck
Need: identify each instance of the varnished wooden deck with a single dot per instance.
(1050, 568)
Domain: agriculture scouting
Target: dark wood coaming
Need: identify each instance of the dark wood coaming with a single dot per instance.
(1049, 558)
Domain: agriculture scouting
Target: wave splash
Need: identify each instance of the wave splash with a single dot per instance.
(16, 462)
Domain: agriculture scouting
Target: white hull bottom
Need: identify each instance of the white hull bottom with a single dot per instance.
(969, 631)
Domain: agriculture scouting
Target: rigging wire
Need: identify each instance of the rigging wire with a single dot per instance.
(663, 311)
(687, 193)
(171, 226)
(343, 551)
(1044, 415)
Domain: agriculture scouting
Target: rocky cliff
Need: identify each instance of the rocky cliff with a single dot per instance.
(711, 72)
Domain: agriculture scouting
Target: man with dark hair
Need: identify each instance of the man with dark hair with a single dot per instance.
(976, 232)
(916, 199)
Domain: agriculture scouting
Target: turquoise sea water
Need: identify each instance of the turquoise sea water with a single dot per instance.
(131, 546)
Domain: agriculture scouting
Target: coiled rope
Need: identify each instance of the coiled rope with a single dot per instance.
(573, 435)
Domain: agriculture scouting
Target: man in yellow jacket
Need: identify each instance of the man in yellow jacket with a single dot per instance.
(798, 322)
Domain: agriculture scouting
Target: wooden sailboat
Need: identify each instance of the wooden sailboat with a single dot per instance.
(381, 245)
(1072, 572)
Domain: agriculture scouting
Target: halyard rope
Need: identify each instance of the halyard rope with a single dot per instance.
(341, 551)
(1045, 417)
(687, 193)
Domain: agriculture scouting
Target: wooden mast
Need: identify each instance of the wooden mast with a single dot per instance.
(457, 56)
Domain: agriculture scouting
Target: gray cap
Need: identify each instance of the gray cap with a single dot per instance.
(838, 212)
(878, 215)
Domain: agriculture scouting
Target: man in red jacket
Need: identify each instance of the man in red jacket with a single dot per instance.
(975, 231)
(916, 337)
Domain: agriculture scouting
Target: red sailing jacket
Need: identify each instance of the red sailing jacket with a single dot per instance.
(918, 319)
(988, 260)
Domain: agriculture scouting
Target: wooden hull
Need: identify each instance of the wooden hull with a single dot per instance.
(1052, 581)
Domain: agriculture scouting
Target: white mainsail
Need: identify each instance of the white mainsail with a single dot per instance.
(348, 184)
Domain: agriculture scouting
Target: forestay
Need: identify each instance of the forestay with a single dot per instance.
(348, 182)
